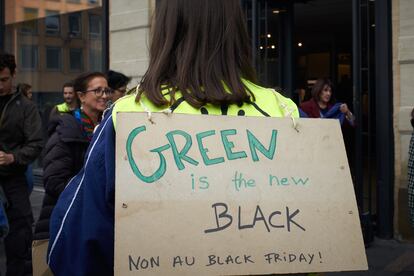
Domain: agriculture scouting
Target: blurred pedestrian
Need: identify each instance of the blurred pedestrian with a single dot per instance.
(26, 90)
(322, 104)
(71, 101)
(200, 63)
(20, 144)
(411, 174)
(118, 82)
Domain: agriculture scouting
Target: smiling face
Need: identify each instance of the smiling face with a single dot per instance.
(91, 103)
(326, 94)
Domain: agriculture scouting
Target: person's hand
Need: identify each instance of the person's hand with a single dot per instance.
(344, 108)
(6, 158)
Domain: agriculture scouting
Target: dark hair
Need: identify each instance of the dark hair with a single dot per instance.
(80, 84)
(202, 49)
(67, 84)
(319, 86)
(24, 88)
(7, 61)
(117, 80)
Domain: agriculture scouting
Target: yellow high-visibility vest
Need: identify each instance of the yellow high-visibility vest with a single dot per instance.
(63, 108)
(268, 103)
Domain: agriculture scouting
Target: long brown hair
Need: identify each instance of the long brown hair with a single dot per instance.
(200, 48)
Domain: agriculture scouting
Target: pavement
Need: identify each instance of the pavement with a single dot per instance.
(385, 257)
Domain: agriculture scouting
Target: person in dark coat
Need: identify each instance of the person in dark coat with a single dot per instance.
(20, 144)
(69, 137)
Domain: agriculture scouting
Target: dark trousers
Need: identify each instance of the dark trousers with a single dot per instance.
(19, 213)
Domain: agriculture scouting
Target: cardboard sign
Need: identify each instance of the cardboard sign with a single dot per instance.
(221, 195)
(39, 253)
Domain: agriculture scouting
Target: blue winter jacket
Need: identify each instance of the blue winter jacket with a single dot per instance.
(73, 230)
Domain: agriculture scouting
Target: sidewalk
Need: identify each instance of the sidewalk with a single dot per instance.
(386, 258)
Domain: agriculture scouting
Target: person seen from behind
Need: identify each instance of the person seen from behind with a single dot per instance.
(411, 174)
(20, 144)
(118, 82)
(70, 103)
(69, 137)
(200, 63)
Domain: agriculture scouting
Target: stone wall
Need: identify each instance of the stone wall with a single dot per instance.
(403, 54)
(128, 36)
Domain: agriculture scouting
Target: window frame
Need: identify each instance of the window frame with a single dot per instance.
(56, 15)
(35, 23)
(34, 55)
(82, 60)
(60, 63)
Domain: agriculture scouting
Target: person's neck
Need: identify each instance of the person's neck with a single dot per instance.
(92, 114)
(322, 105)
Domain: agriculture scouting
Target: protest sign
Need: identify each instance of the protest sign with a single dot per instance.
(221, 195)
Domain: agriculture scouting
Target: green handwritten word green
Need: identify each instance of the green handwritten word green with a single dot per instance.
(181, 155)
(287, 181)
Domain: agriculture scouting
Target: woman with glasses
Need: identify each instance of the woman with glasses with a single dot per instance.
(69, 138)
(200, 63)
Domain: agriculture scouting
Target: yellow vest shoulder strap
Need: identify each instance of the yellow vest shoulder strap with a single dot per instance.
(267, 103)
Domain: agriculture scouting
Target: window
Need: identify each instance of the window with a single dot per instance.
(28, 57)
(95, 60)
(29, 25)
(75, 25)
(52, 22)
(76, 59)
(95, 26)
(53, 58)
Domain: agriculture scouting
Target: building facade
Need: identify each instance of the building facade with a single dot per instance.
(54, 41)
(403, 72)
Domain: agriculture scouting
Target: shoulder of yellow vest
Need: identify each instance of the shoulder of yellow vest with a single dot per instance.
(63, 107)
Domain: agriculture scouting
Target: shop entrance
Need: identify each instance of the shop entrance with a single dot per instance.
(296, 42)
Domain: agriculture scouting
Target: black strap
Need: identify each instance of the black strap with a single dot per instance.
(260, 110)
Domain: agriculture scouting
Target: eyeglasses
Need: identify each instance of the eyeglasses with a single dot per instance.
(100, 91)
